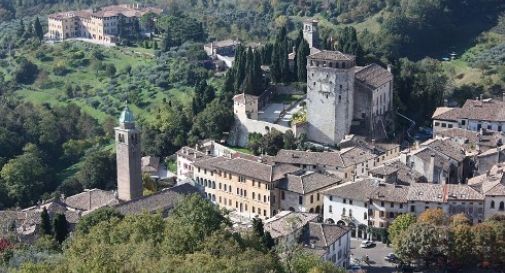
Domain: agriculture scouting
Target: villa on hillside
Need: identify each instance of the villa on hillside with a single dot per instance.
(100, 25)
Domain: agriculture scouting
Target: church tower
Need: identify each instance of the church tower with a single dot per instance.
(310, 33)
(129, 178)
(330, 96)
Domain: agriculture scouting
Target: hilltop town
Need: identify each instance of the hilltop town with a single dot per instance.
(274, 158)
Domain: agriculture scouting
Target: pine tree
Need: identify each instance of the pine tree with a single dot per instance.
(60, 228)
(45, 223)
(302, 53)
(39, 33)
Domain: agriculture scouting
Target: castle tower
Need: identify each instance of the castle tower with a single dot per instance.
(310, 33)
(330, 96)
(129, 178)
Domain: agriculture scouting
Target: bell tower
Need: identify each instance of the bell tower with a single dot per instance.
(129, 178)
(310, 33)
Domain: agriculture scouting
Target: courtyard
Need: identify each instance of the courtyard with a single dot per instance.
(376, 255)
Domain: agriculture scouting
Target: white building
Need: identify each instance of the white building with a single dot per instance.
(492, 185)
(473, 115)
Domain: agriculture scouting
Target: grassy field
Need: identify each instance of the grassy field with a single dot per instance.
(100, 95)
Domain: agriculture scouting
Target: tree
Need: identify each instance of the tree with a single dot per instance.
(289, 140)
(305, 262)
(110, 70)
(98, 170)
(26, 176)
(423, 242)
(212, 122)
(204, 94)
(45, 223)
(191, 221)
(37, 27)
(399, 225)
(433, 216)
(461, 246)
(21, 28)
(60, 225)
(106, 214)
(301, 60)
(26, 72)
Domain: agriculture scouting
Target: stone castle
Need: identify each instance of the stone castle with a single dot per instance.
(342, 98)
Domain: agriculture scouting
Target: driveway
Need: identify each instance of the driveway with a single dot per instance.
(376, 256)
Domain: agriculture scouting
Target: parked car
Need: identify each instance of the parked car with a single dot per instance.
(391, 257)
(354, 268)
(366, 244)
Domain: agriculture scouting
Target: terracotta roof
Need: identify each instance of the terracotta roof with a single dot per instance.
(373, 76)
(286, 222)
(405, 174)
(192, 154)
(322, 236)
(461, 192)
(331, 55)
(487, 110)
(447, 148)
(150, 164)
(354, 155)
(308, 182)
(244, 97)
(162, 201)
(426, 192)
(309, 158)
(492, 182)
(210, 163)
(253, 169)
(384, 170)
(367, 188)
(89, 200)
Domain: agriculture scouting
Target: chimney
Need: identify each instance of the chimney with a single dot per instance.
(390, 68)
(416, 143)
(431, 169)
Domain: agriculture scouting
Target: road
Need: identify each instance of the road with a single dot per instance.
(376, 255)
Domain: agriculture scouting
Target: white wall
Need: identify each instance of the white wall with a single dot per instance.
(337, 205)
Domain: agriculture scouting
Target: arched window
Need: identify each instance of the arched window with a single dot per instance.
(492, 204)
(343, 211)
(502, 206)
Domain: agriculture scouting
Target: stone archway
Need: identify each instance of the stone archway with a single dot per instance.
(311, 210)
(318, 209)
(341, 223)
(291, 209)
(362, 231)
(329, 221)
(353, 229)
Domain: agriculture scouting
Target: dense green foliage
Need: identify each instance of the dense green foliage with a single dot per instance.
(195, 238)
(435, 241)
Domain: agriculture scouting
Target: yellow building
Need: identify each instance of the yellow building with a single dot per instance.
(246, 186)
(99, 25)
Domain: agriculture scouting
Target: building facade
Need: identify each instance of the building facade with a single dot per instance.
(101, 25)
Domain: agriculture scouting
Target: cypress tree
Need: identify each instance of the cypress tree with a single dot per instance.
(248, 85)
(21, 28)
(167, 41)
(275, 64)
(303, 52)
(38, 29)
(240, 67)
(45, 223)
(258, 73)
(60, 228)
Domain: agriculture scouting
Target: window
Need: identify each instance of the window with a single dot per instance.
(331, 197)
(345, 201)
(492, 204)
(381, 213)
(264, 198)
(401, 206)
(224, 187)
(311, 199)
(350, 212)
(253, 210)
(253, 195)
(317, 196)
(300, 200)
(392, 204)
(350, 201)
(502, 206)
(220, 185)
(463, 122)
(264, 212)
(364, 216)
(259, 197)
(245, 194)
(330, 209)
(382, 203)
(241, 179)
(343, 211)
(391, 215)
(283, 195)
